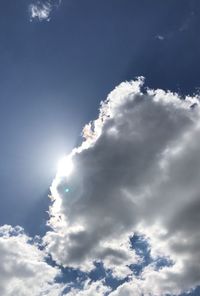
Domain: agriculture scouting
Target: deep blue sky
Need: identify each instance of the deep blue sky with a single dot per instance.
(54, 74)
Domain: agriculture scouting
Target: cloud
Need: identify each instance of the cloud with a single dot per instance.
(182, 27)
(97, 288)
(41, 10)
(133, 192)
(23, 267)
(160, 37)
(136, 172)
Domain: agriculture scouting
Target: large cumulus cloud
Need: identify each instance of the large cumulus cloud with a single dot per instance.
(136, 171)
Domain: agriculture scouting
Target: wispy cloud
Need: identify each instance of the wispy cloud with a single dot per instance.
(160, 37)
(183, 27)
(41, 10)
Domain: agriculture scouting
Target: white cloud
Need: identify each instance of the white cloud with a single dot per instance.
(160, 37)
(97, 288)
(41, 10)
(138, 170)
(23, 267)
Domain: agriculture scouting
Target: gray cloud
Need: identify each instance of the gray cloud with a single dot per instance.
(137, 170)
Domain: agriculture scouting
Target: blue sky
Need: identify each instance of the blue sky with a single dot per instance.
(58, 61)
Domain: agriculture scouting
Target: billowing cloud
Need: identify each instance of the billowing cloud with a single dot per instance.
(41, 9)
(136, 174)
(97, 288)
(136, 171)
(23, 267)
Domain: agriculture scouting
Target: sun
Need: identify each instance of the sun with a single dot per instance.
(65, 166)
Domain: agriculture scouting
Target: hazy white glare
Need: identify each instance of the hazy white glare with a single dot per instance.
(65, 167)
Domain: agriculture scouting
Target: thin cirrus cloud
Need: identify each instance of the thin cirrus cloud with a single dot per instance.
(135, 174)
(41, 10)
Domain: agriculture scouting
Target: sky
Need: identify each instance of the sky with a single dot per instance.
(100, 130)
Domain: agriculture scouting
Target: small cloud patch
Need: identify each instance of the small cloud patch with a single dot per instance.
(41, 10)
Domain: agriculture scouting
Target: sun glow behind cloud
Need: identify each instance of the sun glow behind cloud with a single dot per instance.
(128, 198)
(119, 185)
(65, 167)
